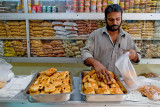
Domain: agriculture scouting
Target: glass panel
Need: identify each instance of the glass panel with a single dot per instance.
(11, 6)
(13, 38)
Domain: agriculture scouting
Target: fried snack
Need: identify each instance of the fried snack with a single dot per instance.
(111, 73)
(2, 83)
(91, 72)
(34, 93)
(102, 91)
(51, 82)
(57, 82)
(50, 71)
(103, 85)
(49, 88)
(92, 85)
(115, 90)
(150, 91)
(63, 74)
(89, 90)
(107, 82)
(86, 85)
(34, 88)
(85, 78)
(57, 91)
(66, 81)
(66, 88)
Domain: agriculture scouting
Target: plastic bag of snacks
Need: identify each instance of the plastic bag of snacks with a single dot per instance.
(5, 73)
(127, 71)
(150, 91)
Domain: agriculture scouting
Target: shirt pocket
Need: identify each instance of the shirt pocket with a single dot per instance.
(121, 51)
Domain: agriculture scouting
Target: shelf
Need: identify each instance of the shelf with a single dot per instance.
(75, 16)
(150, 61)
(65, 60)
(46, 38)
(43, 59)
(146, 38)
(12, 38)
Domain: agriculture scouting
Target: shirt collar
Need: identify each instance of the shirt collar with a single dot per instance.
(104, 30)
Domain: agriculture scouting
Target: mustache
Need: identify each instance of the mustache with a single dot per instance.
(114, 25)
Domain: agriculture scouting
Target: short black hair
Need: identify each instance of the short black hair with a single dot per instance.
(113, 8)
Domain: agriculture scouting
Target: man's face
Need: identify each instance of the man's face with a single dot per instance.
(113, 21)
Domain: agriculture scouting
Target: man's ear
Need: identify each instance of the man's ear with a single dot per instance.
(105, 19)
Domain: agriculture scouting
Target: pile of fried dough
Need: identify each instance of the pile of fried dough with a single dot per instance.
(92, 85)
(51, 82)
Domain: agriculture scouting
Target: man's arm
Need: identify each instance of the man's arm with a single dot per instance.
(134, 55)
(87, 56)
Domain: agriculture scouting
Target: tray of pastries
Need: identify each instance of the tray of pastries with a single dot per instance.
(50, 86)
(94, 90)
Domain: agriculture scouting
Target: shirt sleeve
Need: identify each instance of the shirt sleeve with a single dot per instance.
(88, 50)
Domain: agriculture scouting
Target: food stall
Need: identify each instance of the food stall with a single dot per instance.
(50, 31)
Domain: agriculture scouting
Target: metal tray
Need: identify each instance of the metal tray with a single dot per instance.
(103, 97)
(48, 98)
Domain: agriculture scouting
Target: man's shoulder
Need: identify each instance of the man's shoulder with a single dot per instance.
(97, 31)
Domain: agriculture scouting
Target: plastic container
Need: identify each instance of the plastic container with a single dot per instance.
(126, 5)
(148, 8)
(99, 8)
(136, 1)
(131, 3)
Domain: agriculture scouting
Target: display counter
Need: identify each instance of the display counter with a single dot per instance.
(76, 100)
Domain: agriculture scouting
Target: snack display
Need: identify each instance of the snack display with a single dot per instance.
(12, 29)
(47, 48)
(39, 28)
(148, 49)
(86, 27)
(150, 91)
(15, 48)
(147, 29)
(50, 86)
(139, 6)
(94, 90)
(92, 85)
(149, 75)
(73, 49)
(134, 29)
(51, 82)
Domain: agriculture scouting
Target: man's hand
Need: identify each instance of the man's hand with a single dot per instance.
(132, 55)
(99, 68)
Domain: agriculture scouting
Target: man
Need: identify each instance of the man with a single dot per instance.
(107, 44)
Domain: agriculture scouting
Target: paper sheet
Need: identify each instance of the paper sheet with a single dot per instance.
(15, 86)
(137, 96)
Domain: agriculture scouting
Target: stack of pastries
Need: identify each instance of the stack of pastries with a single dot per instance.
(92, 85)
(51, 82)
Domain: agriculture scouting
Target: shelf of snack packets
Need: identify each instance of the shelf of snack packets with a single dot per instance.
(66, 38)
(93, 6)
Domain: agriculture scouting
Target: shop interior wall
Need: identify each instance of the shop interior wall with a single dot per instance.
(28, 68)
